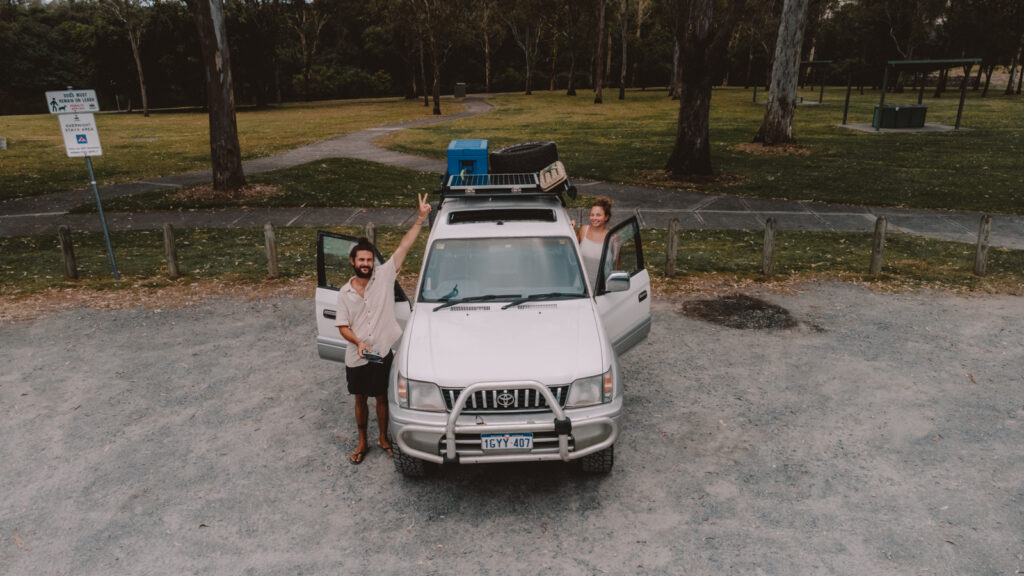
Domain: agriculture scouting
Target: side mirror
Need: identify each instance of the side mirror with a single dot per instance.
(617, 281)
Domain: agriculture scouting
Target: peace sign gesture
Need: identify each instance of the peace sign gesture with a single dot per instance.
(424, 206)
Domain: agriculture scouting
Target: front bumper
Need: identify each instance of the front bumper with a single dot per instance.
(420, 434)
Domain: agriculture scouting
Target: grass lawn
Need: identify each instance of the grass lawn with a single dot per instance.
(174, 142)
(33, 264)
(329, 182)
(977, 168)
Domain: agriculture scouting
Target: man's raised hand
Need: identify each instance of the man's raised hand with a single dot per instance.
(424, 205)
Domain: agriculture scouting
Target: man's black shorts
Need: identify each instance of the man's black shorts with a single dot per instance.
(371, 378)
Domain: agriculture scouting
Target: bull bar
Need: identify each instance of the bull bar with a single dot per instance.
(560, 424)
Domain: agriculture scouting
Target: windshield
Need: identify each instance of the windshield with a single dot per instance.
(473, 267)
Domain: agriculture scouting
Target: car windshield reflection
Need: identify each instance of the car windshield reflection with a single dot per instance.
(473, 267)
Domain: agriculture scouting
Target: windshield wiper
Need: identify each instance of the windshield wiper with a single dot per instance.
(481, 298)
(544, 296)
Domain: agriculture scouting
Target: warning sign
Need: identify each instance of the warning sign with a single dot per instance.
(72, 101)
(81, 138)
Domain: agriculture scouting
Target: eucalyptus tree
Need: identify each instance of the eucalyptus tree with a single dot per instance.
(623, 32)
(777, 126)
(528, 27)
(703, 28)
(225, 153)
(307, 20)
(598, 59)
(442, 25)
(132, 15)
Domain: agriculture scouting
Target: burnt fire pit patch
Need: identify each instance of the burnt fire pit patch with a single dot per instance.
(740, 311)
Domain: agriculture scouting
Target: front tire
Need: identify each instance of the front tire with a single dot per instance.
(599, 462)
(409, 467)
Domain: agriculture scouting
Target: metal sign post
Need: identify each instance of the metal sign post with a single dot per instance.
(82, 139)
(103, 219)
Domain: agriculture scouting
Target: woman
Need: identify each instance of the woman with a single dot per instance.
(591, 237)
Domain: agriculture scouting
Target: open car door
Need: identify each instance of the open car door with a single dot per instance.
(333, 270)
(624, 304)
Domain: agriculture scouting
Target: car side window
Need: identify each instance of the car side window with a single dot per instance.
(622, 251)
(336, 269)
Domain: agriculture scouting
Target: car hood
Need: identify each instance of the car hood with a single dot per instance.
(549, 342)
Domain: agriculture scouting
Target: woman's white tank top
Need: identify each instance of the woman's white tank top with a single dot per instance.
(590, 251)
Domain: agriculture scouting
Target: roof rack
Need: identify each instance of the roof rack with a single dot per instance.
(500, 185)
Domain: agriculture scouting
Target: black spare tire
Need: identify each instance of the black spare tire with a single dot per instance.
(523, 158)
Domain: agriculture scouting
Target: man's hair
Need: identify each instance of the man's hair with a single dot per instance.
(361, 244)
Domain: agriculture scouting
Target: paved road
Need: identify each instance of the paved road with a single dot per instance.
(657, 207)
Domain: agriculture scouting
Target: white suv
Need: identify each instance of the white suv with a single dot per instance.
(507, 355)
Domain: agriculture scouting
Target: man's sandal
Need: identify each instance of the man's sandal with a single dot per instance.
(357, 456)
(390, 449)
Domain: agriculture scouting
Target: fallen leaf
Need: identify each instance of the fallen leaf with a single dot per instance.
(971, 378)
(19, 542)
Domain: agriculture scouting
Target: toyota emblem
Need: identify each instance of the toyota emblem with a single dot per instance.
(505, 399)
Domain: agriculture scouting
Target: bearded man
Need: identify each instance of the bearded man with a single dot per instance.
(366, 318)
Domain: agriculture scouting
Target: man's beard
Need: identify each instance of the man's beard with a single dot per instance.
(359, 271)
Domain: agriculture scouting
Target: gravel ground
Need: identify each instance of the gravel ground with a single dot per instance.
(882, 435)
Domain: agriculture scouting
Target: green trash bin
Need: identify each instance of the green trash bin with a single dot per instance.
(460, 89)
(885, 117)
(902, 117)
(916, 114)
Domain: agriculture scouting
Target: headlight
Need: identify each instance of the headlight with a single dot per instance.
(591, 390)
(416, 395)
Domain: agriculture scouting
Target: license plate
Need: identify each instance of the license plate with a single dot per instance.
(506, 441)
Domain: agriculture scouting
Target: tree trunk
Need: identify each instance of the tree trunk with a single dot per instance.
(598, 60)
(529, 75)
(623, 30)
(225, 153)
(977, 78)
(572, 73)
(554, 62)
(777, 126)
(1020, 77)
(691, 153)
(435, 59)
(702, 47)
(423, 76)
(608, 58)
(1014, 66)
(988, 79)
(940, 86)
(487, 50)
(675, 89)
(641, 5)
(133, 37)
(750, 64)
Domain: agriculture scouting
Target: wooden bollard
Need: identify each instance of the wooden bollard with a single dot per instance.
(371, 233)
(981, 254)
(170, 251)
(878, 247)
(672, 248)
(768, 257)
(271, 241)
(68, 250)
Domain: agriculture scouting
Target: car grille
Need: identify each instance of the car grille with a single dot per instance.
(511, 400)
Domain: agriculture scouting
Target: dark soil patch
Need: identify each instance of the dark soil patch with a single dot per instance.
(740, 311)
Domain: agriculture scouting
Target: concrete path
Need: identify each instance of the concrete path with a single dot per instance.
(43, 214)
